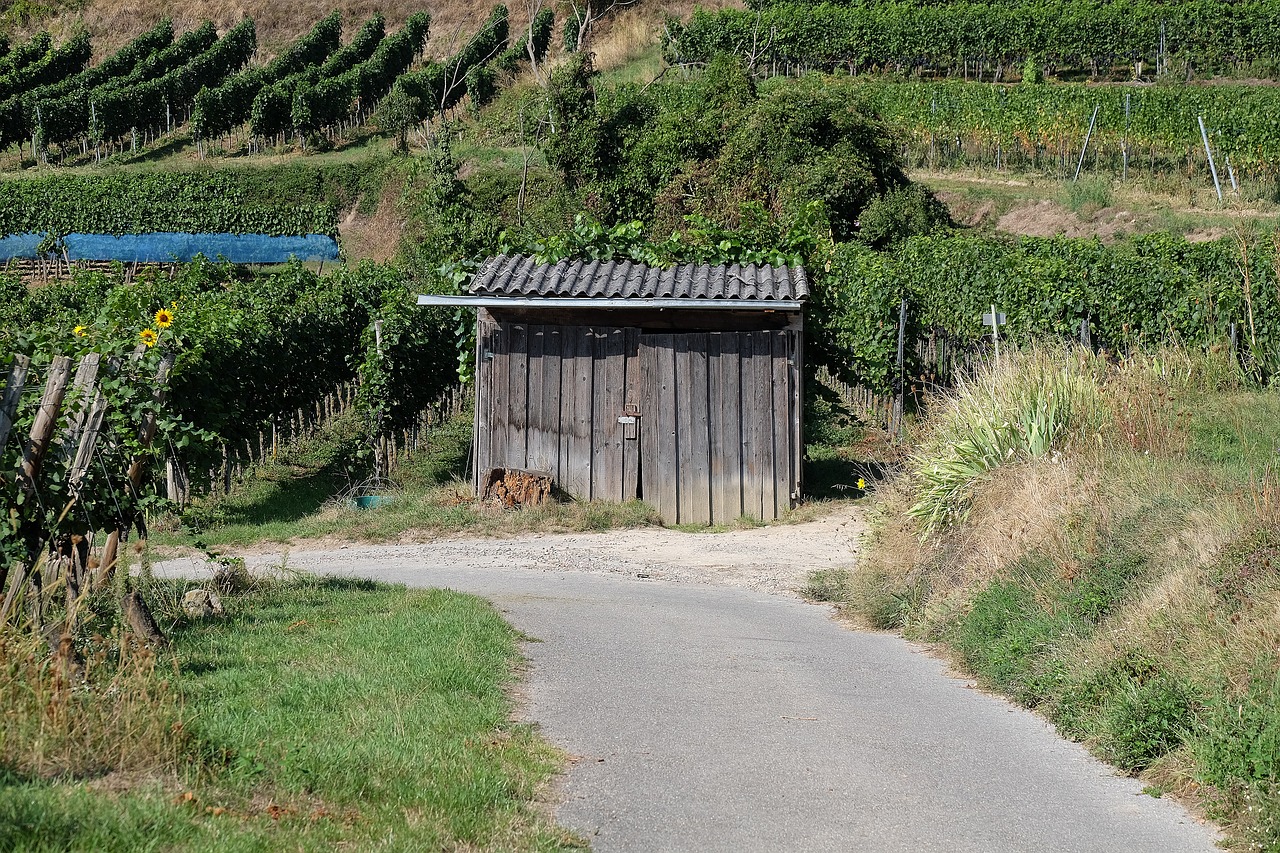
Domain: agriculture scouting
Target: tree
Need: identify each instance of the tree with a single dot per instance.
(397, 113)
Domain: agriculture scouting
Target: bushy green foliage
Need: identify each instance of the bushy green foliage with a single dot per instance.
(517, 55)
(1147, 720)
(60, 62)
(1036, 124)
(22, 55)
(1141, 292)
(718, 148)
(159, 90)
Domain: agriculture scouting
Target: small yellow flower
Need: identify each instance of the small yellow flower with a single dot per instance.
(862, 484)
(164, 318)
(80, 332)
(149, 337)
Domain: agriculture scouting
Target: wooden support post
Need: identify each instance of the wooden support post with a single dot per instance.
(12, 394)
(146, 432)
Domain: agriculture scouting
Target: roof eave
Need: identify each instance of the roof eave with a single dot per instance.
(611, 303)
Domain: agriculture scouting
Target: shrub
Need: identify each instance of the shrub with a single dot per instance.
(1007, 637)
(1147, 720)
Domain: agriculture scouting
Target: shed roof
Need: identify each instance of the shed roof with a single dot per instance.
(520, 275)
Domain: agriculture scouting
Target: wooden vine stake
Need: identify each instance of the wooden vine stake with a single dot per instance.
(146, 431)
(42, 430)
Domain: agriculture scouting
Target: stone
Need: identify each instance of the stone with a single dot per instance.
(199, 603)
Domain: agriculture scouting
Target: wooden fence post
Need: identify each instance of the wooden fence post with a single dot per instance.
(12, 394)
(42, 429)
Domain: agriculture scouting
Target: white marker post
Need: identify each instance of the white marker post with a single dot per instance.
(995, 320)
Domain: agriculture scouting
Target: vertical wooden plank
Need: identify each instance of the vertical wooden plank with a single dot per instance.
(82, 395)
(754, 399)
(88, 441)
(584, 377)
(632, 394)
(517, 396)
(535, 427)
(609, 394)
(726, 434)
(499, 411)
(696, 389)
(797, 407)
(568, 378)
(45, 422)
(484, 374)
(552, 370)
(768, 487)
(684, 428)
(599, 436)
(646, 363)
(781, 422)
(661, 466)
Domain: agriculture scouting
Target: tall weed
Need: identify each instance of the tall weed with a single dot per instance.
(120, 714)
(1031, 402)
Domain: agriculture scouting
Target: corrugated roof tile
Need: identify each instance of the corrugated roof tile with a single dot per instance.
(520, 275)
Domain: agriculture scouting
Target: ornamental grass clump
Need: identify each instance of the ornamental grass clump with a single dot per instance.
(1028, 404)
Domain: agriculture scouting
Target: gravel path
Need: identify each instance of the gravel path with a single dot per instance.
(708, 708)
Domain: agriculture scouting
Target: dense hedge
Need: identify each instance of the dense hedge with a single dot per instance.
(1076, 33)
(327, 101)
(136, 203)
(311, 90)
(1146, 291)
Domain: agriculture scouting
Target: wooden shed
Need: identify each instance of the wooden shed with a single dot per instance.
(680, 386)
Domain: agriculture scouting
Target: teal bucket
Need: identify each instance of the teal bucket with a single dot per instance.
(372, 501)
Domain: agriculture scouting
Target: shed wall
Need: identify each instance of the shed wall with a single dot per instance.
(717, 415)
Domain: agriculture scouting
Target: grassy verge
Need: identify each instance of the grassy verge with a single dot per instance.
(303, 495)
(317, 714)
(1113, 563)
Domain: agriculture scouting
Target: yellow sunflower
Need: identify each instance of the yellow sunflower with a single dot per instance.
(149, 337)
(164, 318)
(80, 331)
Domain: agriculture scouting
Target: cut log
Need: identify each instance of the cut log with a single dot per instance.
(140, 620)
(514, 487)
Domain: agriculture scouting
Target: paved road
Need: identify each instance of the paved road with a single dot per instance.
(708, 717)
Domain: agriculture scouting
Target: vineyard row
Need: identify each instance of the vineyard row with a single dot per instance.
(947, 38)
(1033, 122)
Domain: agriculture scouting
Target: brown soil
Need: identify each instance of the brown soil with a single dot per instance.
(1050, 219)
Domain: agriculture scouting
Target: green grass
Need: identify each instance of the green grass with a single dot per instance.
(321, 714)
(304, 495)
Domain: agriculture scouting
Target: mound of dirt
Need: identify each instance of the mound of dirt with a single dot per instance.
(1050, 219)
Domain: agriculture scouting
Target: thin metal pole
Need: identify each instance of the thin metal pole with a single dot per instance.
(1088, 135)
(1124, 146)
(1204, 134)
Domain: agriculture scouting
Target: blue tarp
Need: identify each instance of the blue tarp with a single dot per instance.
(164, 247)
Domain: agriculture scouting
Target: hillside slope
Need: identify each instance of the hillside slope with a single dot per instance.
(113, 22)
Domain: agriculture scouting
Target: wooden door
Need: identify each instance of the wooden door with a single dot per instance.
(719, 438)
